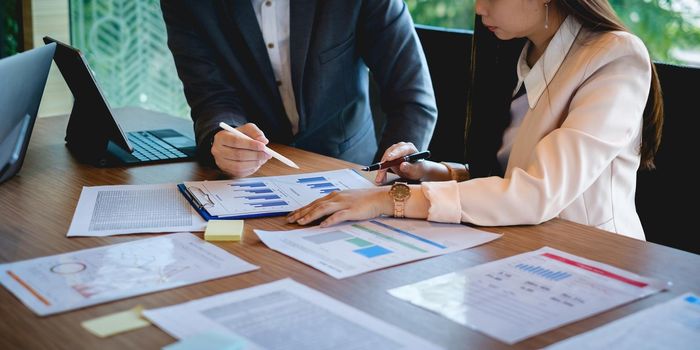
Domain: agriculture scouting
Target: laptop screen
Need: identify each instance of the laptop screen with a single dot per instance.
(23, 77)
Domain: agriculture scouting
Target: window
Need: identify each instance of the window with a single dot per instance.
(9, 28)
(669, 28)
(124, 42)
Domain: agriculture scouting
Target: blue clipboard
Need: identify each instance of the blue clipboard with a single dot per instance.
(200, 208)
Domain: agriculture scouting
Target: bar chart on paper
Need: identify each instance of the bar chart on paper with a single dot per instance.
(542, 272)
(523, 295)
(350, 249)
(319, 183)
(271, 195)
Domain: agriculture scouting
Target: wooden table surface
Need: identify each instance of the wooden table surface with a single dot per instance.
(38, 204)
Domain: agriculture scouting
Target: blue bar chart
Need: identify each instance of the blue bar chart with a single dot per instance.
(542, 272)
(311, 179)
(349, 242)
(273, 195)
(256, 195)
(319, 183)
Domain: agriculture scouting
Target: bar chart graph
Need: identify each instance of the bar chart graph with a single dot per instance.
(542, 272)
(349, 242)
(273, 195)
(257, 195)
(320, 183)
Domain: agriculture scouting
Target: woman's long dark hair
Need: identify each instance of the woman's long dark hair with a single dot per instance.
(497, 60)
(598, 15)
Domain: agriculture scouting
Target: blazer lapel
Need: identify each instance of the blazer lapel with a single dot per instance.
(244, 16)
(301, 22)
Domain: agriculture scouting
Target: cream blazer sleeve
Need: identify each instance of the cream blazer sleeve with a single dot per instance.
(576, 149)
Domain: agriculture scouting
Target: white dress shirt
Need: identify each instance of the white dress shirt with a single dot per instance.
(575, 154)
(273, 18)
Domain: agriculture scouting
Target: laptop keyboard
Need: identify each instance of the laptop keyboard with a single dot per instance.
(149, 147)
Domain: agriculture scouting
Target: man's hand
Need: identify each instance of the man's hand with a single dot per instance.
(237, 155)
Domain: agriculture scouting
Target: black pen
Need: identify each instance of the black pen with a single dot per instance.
(394, 162)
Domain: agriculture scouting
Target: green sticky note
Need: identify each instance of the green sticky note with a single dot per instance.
(224, 230)
(209, 341)
(116, 323)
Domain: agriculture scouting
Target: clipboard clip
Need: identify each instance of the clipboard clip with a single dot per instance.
(195, 198)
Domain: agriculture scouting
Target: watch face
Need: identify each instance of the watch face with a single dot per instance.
(400, 191)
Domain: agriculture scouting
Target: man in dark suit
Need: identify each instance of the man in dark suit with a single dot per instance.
(296, 72)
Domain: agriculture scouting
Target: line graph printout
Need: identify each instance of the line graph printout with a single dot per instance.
(124, 209)
(353, 248)
(518, 297)
(63, 282)
(271, 194)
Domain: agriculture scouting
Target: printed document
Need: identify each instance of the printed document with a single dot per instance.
(115, 210)
(255, 196)
(87, 277)
(354, 248)
(518, 297)
(674, 324)
(283, 315)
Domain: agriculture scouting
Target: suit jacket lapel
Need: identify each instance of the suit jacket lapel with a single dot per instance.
(301, 22)
(244, 16)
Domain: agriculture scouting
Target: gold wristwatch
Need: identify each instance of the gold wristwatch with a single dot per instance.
(400, 192)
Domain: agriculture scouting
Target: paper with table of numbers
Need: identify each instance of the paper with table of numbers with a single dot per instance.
(124, 209)
(284, 315)
(518, 297)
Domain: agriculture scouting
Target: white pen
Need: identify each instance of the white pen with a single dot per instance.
(267, 150)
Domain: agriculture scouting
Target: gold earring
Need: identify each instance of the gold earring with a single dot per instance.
(546, 15)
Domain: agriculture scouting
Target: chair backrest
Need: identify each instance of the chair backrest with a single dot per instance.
(665, 196)
(448, 53)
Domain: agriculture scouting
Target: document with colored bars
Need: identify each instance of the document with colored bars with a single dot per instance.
(520, 296)
(266, 196)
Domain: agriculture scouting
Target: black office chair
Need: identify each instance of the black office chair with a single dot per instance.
(666, 197)
(447, 53)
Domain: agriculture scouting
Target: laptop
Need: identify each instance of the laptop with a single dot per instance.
(22, 80)
(93, 134)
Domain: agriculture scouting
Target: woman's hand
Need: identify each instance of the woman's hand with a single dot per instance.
(359, 204)
(421, 170)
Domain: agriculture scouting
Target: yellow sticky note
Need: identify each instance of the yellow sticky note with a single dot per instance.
(224, 230)
(119, 322)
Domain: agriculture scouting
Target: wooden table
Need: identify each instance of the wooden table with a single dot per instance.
(38, 204)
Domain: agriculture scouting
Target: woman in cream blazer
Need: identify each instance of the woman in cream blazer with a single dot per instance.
(578, 131)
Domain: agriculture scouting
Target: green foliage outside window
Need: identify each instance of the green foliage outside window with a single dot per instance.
(669, 28)
(125, 43)
(9, 28)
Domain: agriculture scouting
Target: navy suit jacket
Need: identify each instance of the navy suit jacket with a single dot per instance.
(222, 61)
